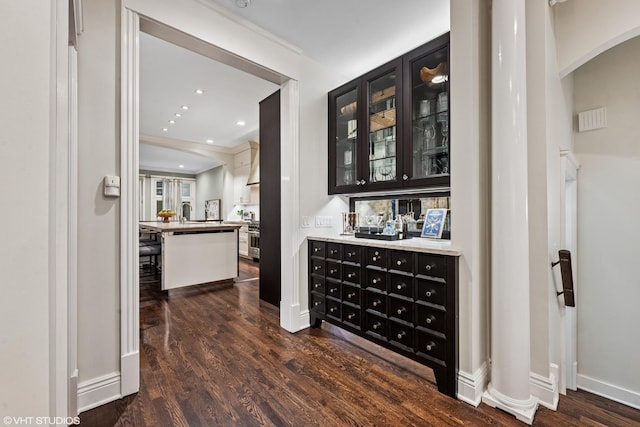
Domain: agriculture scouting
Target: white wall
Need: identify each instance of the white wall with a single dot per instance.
(608, 232)
(98, 216)
(25, 141)
(210, 185)
(586, 28)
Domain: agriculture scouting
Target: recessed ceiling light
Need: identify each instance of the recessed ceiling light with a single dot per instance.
(185, 107)
(199, 91)
(209, 141)
(172, 121)
(243, 3)
(165, 129)
(180, 166)
(178, 115)
(240, 123)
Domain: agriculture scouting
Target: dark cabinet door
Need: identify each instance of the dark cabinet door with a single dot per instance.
(270, 191)
(382, 158)
(345, 168)
(427, 116)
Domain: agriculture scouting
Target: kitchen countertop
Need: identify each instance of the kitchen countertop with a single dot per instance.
(160, 226)
(416, 244)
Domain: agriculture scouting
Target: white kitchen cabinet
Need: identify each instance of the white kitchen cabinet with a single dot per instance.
(243, 241)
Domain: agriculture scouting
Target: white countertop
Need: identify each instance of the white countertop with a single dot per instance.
(416, 244)
(187, 226)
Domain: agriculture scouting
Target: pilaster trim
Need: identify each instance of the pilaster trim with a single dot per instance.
(545, 389)
(98, 391)
(472, 385)
(129, 170)
(290, 205)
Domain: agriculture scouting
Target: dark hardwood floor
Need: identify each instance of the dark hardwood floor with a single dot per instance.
(218, 357)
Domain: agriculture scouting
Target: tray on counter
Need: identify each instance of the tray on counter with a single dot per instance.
(379, 236)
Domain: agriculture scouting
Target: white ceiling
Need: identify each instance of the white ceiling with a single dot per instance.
(350, 36)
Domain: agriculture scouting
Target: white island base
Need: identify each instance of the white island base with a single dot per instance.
(197, 253)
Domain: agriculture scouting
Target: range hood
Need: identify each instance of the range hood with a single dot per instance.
(254, 173)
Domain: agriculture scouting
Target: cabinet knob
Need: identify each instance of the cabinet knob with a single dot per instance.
(363, 182)
(332, 309)
(429, 293)
(401, 310)
(376, 303)
(316, 249)
(376, 325)
(400, 286)
(351, 254)
(350, 275)
(351, 295)
(317, 303)
(401, 334)
(376, 253)
(316, 267)
(405, 177)
(431, 346)
(375, 281)
(332, 271)
(401, 261)
(351, 316)
(430, 319)
(317, 285)
(374, 259)
(428, 267)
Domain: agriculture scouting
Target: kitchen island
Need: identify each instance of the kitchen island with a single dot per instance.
(196, 252)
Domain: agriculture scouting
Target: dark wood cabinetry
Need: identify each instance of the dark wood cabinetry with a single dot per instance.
(389, 128)
(402, 300)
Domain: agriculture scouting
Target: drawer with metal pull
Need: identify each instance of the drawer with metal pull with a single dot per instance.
(317, 249)
(334, 289)
(401, 335)
(351, 294)
(317, 266)
(334, 270)
(400, 284)
(431, 291)
(317, 303)
(334, 251)
(377, 279)
(317, 284)
(351, 315)
(402, 261)
(400, 309)
(431, 265)
(377, 257)
(334, 308)
(351, 273)
(431, 345)
(430, 318)
(377, 326)
(377, 302)
(351, 253)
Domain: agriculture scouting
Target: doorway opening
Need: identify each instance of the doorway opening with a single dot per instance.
(132, 25)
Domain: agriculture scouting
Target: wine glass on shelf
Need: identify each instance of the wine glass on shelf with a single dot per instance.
(445, 132)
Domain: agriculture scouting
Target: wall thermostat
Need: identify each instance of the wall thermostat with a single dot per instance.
(112, 186)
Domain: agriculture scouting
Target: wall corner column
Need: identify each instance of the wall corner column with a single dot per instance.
(509, 388)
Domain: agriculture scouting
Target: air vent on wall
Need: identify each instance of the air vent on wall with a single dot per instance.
(592, 119)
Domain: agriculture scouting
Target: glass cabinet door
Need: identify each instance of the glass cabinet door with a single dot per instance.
(343, 108)
(429, 116)
(383, 151)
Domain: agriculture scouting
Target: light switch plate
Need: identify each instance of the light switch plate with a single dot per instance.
(306, 222)
(324, 221)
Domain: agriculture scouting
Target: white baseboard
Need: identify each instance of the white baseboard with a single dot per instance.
(98, 391)
(610, 391)
(304, 319)
(130, 373)
(471, 386)
(545, 389)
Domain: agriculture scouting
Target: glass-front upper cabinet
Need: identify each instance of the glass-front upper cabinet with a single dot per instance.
(427, 75)
(384, 155)
(344, 168)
